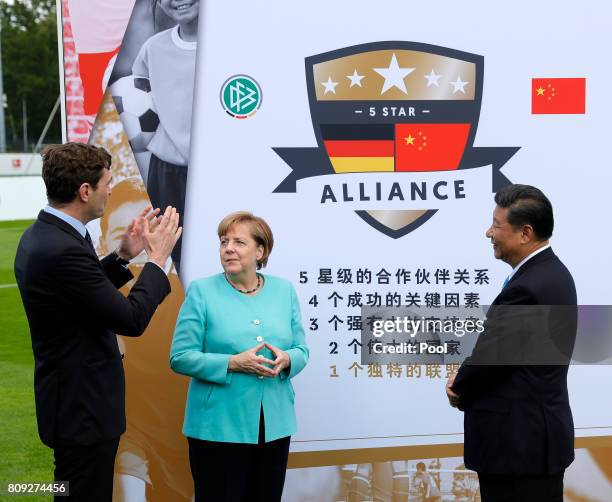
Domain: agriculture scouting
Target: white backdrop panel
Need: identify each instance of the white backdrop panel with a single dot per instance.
(233, 167)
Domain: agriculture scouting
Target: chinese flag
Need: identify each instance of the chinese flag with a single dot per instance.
(429, 147)
(558, 95)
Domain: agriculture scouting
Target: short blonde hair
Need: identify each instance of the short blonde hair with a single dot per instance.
(260, 231)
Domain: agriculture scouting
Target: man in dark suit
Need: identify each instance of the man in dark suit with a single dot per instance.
(74, 310)
(519, 433)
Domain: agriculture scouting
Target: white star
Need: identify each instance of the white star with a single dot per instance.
(330, 86)
(394, 76)
(459, 85)
(355, 78)
(432, 78)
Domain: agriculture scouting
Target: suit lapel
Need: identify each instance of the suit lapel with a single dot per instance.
(51, 219)
(545, 255)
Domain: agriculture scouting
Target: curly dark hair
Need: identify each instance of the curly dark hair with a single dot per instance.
(66, 167)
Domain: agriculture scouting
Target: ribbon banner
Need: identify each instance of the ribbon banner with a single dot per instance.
(378, 123)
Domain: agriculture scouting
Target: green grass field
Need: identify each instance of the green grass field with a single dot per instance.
(23, 457)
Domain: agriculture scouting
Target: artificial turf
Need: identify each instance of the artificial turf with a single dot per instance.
(22, 456)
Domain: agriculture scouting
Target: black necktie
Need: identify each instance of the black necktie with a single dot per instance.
(89, 241)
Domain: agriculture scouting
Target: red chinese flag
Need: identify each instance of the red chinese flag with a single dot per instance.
(429, 147)
(558, 95)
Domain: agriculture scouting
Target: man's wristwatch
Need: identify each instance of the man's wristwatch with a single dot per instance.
(117, 259)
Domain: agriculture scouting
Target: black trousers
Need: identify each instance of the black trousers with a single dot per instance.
(236, 472)
(88, 470)
(167, 186)
(506, 488)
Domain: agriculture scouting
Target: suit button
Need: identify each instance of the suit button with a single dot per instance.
(256, 322)
(259, 338)
(260, 377)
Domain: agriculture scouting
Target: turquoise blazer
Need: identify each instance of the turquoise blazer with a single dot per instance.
(215, 322)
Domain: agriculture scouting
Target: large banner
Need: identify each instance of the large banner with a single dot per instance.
(372, 138)
(110, 103)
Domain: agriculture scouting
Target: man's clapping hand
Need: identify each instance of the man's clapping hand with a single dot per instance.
(161, 235)
(132, 241)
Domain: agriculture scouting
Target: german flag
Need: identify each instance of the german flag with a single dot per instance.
(360, 148)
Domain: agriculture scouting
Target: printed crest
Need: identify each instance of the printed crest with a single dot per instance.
(393, 107)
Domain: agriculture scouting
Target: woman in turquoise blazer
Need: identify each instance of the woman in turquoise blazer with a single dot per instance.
(239, 337)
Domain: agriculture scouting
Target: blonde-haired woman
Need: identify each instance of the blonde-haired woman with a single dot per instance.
(239, 337)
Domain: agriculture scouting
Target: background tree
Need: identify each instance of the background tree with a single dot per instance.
(30, 68)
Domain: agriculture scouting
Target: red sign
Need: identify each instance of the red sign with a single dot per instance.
(558, 95)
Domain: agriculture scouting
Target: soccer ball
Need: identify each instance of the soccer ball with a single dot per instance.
(132, 97)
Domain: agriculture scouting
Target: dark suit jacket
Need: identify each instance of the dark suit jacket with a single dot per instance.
(74, 310)
(518, 418)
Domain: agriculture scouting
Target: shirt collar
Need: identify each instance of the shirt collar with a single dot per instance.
(180, 43)
(73, 222)
(537, 251)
